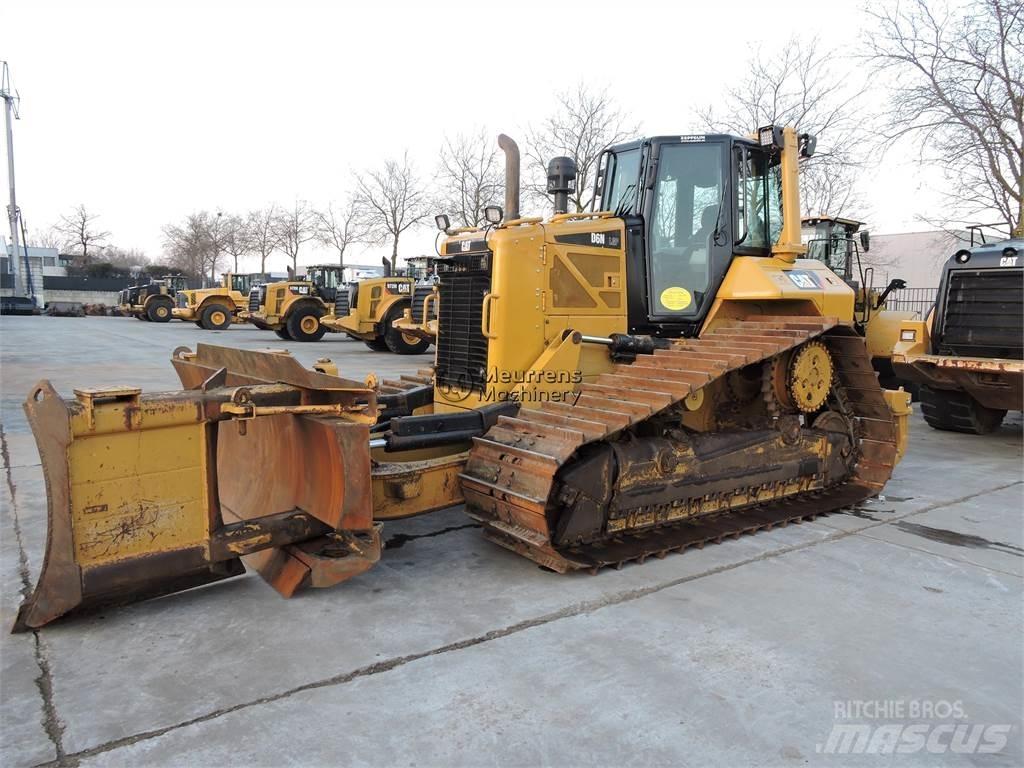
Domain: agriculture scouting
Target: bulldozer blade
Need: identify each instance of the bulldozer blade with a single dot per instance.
(157, 493)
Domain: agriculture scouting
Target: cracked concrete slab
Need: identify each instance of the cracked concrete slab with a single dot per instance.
(23, 737)
(707, 672)
(230, 653)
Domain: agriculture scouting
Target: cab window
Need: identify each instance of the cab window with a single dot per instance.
(621, 184)
(686, 213)
(759, 199)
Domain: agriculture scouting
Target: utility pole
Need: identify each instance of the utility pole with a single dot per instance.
(11, 102)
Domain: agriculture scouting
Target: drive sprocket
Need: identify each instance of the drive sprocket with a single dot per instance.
(810, 376)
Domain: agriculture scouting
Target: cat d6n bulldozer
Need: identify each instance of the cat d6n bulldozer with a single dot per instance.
(658, 373)
(297, 310)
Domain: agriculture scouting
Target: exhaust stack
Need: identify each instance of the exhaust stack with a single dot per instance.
(511, 150)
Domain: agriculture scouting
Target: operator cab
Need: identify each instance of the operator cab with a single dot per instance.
(241, 283)
(690, 203)
(326, 279)
(831, 241)
(175, 282)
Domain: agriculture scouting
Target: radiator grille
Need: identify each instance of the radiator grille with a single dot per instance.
(256, 297)
(461, 347)
(341, 303)
(983, 314)
(421, 292)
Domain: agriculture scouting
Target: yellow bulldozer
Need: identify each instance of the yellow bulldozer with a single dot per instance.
(659, 373)
(153, 301)
(214, 309)
(297, 310)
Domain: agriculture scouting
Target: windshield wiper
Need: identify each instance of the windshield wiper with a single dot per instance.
(625, 200)
(718, 216)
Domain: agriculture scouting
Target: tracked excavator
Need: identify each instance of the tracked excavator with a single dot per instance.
(612, 385)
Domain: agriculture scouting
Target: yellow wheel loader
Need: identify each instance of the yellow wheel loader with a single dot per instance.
(832, 241)
(214, 309)
(608, 386)
(153, 301)
(419, 319)
(297, 310)
(968, 353)
(368, 310)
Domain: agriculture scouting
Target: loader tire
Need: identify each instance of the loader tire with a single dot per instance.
(377, 345)
(282, 333)
(305, 325)
(216, 317)
(198, 323)
(954, 411)
(402, 343)
(140, 316)
(159, 311)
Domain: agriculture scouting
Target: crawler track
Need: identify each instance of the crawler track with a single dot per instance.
(511, 479)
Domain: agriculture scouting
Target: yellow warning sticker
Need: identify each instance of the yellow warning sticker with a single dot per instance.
(675, 298)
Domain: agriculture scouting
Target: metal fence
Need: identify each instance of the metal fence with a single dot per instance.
(917, 300)
(106, 284)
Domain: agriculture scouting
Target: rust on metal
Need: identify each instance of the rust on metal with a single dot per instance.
(641, 496)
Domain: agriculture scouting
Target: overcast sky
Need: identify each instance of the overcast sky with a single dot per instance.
(146, 111)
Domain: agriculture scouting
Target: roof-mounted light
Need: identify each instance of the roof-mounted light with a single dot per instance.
(770, 136)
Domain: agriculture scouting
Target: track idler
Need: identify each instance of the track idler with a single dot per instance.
(259, 459)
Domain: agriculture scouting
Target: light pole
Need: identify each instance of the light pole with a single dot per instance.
(11, 99)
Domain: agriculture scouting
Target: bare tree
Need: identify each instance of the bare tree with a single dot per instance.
(125, 258)
(393, 200)
(338, 228)
(187, 244)
(293, 227)
(81, 233)
(470, 176)
(237, 242)
(798, 85)
(48, 238)
(584, 124)
(957, 84)
(216, 235)
(261, 234)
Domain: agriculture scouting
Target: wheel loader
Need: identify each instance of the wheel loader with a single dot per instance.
(659, 373)
(214, 309)
(419, 319)
(832, 241)
(297, 310)
(374, 310)
(967, 353)
(153, 301)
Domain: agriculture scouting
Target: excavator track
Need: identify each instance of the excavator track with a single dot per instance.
(511, 480)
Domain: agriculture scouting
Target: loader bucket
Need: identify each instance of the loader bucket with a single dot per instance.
(258, 459)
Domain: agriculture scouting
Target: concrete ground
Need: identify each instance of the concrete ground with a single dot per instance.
(758, 651)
